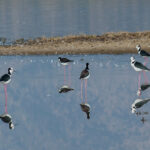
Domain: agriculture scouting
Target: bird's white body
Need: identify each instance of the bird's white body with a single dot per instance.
(5, 82)
(64, 64)
(87, 77)
(135, 68)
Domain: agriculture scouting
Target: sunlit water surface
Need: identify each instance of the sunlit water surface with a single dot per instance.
(46, 119)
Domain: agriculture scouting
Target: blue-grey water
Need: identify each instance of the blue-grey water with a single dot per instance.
(46, 119)
(34, 18)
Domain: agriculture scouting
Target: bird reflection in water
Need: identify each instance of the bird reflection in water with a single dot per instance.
(65, 89)
(86, 108)
(6, 118)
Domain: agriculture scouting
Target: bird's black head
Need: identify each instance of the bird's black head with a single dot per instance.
(59, 58)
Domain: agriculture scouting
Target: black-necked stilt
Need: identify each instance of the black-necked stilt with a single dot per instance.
(65, 89)
(6, 78)
(85, 73)
(64, 61)
(138, 103)
(7, 119)
(84, 76)
(138, 66)
(86, 108)
(142, 52)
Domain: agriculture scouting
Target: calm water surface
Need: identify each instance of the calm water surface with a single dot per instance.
(34, 18)
(48, 120)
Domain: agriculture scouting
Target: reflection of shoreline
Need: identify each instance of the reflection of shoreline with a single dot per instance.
(109, 43)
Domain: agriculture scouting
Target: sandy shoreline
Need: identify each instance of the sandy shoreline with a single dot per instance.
(109, 43)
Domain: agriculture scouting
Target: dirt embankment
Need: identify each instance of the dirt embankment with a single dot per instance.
(109, 43)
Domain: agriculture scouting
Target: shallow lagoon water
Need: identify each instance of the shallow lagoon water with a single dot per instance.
(46, 119)
(31, 19)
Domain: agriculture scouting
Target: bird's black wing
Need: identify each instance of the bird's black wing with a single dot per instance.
(5, 77)
(141, 66)
(144, 53)
(65, 60)
(84, 74)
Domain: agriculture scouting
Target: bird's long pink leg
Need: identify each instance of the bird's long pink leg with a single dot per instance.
(145, 77)
(69, 73)
(85, 90)
(139, 81)
(81, 90)
(64, 74)
(146, 60)
(5, 88)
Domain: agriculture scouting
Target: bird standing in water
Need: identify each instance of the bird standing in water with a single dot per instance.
(5, 79)
(84, 76)
(137, 66)
(66, 62)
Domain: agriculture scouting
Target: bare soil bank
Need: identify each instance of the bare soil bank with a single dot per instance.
(109, 43)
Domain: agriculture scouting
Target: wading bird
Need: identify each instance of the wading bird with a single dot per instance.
(137, 66)
(66, 62)
(5, 79)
